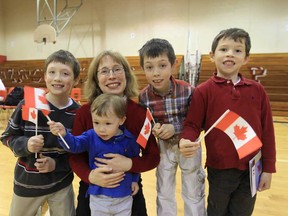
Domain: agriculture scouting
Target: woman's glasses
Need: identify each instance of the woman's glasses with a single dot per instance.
(117, 70)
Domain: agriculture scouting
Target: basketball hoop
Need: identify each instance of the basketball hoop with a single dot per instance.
(45, 34)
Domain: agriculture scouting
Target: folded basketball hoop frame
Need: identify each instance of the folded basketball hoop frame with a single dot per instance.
(48, 13)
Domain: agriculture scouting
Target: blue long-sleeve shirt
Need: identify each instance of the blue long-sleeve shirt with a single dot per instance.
(124, 144)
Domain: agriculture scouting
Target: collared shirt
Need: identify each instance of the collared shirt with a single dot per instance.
(249, 100)
(170, 108)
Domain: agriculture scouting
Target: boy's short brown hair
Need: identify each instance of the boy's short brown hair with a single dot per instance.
(105, 102)
(236, 34)
(64, 57)
(156, 47)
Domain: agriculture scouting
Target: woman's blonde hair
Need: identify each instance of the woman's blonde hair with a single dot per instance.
(92, 89)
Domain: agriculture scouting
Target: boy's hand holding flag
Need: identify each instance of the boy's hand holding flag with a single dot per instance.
(35, 99)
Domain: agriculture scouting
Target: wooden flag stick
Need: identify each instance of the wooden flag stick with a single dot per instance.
(59, 134)
(36, 132)
(151, 115)
(154, 124)
(216, 122)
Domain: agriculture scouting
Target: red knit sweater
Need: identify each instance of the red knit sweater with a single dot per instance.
(136, 115)
(249, 100)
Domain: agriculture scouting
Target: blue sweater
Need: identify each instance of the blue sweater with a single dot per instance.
(124, 144)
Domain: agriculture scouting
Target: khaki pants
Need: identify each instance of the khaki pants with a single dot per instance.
(60, 203)
(192, 180)
(102, 205)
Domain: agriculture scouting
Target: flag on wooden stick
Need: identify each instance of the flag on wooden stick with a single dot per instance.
(35, 97)
(146, 130)
(241, 133)
(30, 114)
(34, 100)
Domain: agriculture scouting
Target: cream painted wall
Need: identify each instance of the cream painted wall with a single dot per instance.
(2, 36)
(108, 24)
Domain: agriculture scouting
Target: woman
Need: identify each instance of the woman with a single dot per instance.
(110, 73)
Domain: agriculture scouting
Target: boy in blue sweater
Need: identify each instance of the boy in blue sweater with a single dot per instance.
(107, 136)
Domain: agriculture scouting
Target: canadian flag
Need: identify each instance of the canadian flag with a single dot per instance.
(35, 97)
(30, 114)
(146, 130)
(240, 132)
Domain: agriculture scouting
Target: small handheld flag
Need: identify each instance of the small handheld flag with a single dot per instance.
(34, 100)
(30, 114)
(35, 97)
(241, 133)
(146, 130)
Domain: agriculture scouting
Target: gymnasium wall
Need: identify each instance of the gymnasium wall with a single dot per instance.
(2, 38)
(125, 25)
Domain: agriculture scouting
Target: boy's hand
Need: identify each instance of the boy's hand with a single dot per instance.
(45, 164)
(155, 129)
(56, 128)
(164, 131)
(134, 188)
(265, 181)
(35, 143)
(188, 148)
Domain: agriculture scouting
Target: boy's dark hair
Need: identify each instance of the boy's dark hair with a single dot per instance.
(155, 47)
(64, 57)
(102, 105)
(236, 34)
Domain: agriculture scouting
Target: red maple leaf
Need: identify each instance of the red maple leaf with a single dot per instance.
(240, 132)
(33, 114)
(42, 99)
(147, 128)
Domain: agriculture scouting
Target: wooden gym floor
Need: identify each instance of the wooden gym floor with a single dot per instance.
(272, 202)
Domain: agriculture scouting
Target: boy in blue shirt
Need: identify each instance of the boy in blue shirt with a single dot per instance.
(107, 136)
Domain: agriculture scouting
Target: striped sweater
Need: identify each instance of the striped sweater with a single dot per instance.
(28, 182)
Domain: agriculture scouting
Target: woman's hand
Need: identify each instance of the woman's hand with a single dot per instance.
(45, 164)
(103, 177)
(117, 162)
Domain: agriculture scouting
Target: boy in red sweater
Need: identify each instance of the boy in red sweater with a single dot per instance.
(228, 176)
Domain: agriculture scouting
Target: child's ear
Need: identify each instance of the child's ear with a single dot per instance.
(122, 120)
(247, 58)
(211, 56)
(174, 65)
(176, 62)
(76, 81)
